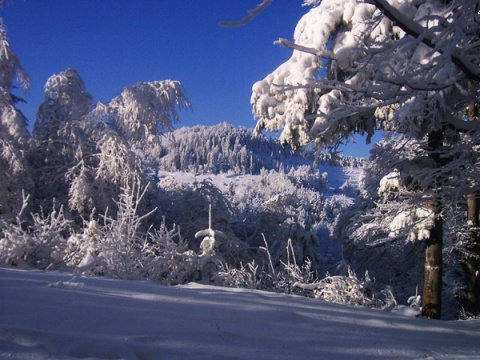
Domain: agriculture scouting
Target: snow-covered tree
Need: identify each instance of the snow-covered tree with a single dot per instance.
(372, 60)
(15, 140)
(358, 66)
(390, 219)
(66, 101)
(143, 113)
(87, 151)
(147, 109)
(62, 135)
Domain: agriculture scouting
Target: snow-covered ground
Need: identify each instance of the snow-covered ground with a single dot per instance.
(50, 315)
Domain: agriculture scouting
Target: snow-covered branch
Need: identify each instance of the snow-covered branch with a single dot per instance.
(421, 33)
(322, 53)
(251, 14)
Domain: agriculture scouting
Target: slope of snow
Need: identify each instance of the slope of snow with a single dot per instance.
(49, 315)
(337, 176)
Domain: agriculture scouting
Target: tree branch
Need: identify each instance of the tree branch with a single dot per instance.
(251, 14)
(323, 53)
(417, 31)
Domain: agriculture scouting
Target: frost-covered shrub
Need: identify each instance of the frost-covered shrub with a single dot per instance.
(243, 277)
(81, 250)
(307, 176)
(40, 244)
(187, 204)
(273, 204)
(415, 301)
(118, 247)
(266, 274)
(302, 279)
(166, 257)
(351, 290)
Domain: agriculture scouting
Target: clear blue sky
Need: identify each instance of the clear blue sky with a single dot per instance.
(116, 43)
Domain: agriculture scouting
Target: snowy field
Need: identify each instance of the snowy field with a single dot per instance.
(50, 315)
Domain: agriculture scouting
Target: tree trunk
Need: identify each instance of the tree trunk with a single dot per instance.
(471, 260)
(432, 290)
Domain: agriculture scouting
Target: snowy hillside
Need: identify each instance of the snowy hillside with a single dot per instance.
(48, 315)
(224, 148)
(258, 189)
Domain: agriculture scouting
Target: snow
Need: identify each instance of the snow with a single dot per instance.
(389, 183)
(337, 176)
(50, 315)
(419, 220)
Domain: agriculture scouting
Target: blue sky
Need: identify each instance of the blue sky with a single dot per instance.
(116, 43)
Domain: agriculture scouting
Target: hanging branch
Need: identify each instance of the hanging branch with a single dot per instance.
(210, 234)
(251, 14)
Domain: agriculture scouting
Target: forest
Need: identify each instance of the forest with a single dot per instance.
(116, 189)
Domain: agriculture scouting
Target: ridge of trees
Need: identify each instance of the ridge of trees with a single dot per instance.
(223, 148)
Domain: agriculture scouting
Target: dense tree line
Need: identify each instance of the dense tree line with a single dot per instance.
(223, 148)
